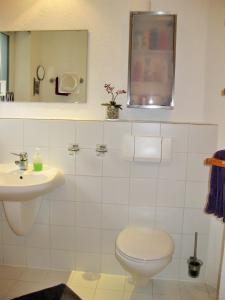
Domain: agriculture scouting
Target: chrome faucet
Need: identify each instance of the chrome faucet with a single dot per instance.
(23, 160)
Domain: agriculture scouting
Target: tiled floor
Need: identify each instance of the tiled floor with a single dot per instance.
(15, 282)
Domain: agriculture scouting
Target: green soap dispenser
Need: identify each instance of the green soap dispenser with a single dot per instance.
(37, 161)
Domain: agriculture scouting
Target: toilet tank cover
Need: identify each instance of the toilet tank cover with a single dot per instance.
(145, 243)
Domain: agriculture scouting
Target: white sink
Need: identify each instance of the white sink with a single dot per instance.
(26, 185)
(21, 193)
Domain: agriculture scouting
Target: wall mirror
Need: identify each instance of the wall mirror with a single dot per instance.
(43, 66)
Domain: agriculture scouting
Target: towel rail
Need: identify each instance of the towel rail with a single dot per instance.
(215, 162)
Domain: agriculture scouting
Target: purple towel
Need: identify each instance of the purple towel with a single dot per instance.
(216, 198)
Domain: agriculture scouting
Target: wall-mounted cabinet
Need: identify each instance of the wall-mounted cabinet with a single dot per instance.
(151, 60)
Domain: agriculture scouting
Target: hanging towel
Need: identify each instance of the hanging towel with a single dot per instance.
(216, 198)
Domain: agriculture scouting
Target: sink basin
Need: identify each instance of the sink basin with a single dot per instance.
(21, 193)
(16, 185)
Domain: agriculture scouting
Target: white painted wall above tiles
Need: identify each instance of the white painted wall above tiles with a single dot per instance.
(77, 224)
(214, 112)
(108, 25)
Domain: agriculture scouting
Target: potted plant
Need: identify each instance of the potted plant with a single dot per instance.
(112, 111)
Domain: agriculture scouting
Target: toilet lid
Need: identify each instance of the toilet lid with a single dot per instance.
(144, 243)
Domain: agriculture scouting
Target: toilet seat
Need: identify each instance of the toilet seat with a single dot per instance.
(144, 244)
(129, 258)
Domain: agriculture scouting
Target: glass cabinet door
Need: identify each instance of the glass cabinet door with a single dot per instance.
(151, 60)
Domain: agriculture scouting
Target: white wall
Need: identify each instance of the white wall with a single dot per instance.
(214, 112)
(215, 68)
(222, 279)
(77, 224)
(108, 25)
(107, 22)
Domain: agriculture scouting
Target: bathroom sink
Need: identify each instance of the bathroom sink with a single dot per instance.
(16, 185)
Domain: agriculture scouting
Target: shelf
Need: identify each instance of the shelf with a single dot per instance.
(149, 82)
(153, 50)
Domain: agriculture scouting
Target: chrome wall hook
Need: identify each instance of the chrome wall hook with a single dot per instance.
(101, 149)
(73, 148)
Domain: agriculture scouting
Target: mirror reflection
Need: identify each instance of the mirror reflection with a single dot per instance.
(43, 66)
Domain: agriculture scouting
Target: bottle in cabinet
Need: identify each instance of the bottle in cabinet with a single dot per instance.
(163, 39)
(153, 38)
(138, 69)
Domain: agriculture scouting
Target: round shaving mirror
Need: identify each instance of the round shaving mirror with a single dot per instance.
(40, 73)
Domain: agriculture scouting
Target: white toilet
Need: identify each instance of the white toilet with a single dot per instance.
(143, 252)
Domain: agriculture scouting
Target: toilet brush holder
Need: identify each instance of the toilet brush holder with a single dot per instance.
(194, 264)
(194, 267)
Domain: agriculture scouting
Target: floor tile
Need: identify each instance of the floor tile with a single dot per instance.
(5, 286)
(57, 277)
(130, 286)
(7, 272)
(193, 291)
(17, 281)
(213, 293)
(128, 295)
(165, 287)
(108, 295)
(192, 296)
(167, 297)
(24, 287)
(111, 282)
(78, 279)
(84, 293)
(34, 275)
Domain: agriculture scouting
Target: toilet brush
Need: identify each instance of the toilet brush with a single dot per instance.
(194, 264)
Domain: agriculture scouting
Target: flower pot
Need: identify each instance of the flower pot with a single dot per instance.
(112, 112)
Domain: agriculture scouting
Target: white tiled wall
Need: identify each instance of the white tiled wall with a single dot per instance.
(77, 223)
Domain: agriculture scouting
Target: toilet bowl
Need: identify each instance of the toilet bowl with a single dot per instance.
(143, 252)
